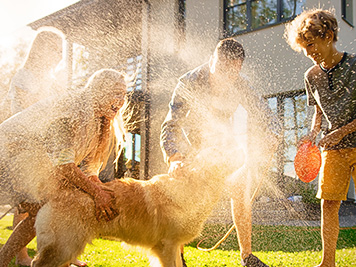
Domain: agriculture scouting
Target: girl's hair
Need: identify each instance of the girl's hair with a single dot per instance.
(309, 25)
(102, 86)
(46, 39)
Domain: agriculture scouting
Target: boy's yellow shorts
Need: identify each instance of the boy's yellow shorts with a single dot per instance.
(335, 173)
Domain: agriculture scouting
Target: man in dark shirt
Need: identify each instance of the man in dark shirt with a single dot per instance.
(200, 115)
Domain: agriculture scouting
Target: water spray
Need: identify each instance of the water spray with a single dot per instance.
(252, 199)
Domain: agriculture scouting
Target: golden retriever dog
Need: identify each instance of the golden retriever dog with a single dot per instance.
(159, 214)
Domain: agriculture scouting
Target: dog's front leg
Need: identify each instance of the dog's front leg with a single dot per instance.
(168, 254)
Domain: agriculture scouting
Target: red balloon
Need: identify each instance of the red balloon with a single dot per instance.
(307, 162)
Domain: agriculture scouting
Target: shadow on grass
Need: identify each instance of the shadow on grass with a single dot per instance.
(274, 238)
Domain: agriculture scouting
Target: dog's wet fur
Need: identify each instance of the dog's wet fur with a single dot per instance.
(159, 215)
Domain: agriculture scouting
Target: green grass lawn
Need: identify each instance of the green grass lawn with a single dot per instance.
(276, 245)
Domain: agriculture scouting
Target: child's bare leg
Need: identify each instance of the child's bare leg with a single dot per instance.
(329, 230)
(22, 257)
(23, 233)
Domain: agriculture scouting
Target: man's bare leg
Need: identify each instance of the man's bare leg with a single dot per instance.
(242, 216)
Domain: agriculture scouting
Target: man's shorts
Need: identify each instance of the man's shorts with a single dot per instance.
(335, 173)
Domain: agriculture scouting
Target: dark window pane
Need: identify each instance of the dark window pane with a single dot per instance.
(263, 12)
(230, 3)
(291, 8)
(347, 11)
(236, 19)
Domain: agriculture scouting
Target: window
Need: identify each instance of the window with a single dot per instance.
(131, 155)
(129, 161)
(181, 17)
(180, 24)
(134, 65)
(80, 64)
(247, 15)
(347, 11)
(130, 158)
(293, 111)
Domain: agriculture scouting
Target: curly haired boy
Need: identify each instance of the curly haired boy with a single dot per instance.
(331, 88)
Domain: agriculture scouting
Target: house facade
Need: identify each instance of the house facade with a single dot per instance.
(160, 40)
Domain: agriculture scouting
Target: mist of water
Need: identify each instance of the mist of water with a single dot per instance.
(108, 47)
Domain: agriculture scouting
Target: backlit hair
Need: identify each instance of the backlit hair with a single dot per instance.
(102, 85)
(47, 38)
(308, 25)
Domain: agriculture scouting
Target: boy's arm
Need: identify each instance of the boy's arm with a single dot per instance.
(318, 114)
(315, 127)
(316, 123)
(334, 137)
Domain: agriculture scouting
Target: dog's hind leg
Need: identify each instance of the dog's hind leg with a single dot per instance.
(58, 253)
(48, 257)
(168, 254)
(60, 238)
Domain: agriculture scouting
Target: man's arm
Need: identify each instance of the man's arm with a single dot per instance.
(171, 127)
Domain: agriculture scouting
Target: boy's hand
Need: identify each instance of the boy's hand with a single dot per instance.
(331, 139)
(310, 137)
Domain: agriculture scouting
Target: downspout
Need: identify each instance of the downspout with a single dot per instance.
(147, 95)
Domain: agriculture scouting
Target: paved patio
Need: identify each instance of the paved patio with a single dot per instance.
(285, 212)
(275, 213)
